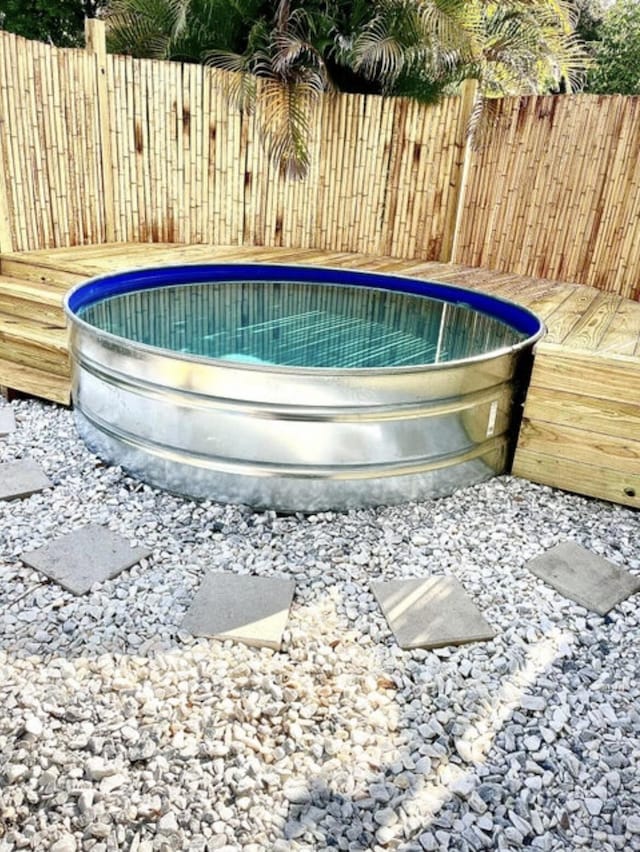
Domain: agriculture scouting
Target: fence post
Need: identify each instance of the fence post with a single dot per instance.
(460, 171)
(96, 46)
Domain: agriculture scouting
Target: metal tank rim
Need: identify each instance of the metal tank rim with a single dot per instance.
(150, 277)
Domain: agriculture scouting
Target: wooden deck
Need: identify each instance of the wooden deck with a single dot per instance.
(581, 426)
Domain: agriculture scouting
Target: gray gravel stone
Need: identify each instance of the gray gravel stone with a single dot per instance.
(33, 726)
(66, 843)
(168, 823)
(633, 824)
(15, 771)
(222, 735)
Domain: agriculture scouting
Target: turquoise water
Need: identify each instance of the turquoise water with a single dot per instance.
(300, 324)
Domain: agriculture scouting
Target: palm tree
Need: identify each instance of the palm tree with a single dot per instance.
(243, 36)
(292, 74)
(288, 52)
(183, 30)
(510, 47)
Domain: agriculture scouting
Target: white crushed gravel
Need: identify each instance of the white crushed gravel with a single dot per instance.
(119, 731)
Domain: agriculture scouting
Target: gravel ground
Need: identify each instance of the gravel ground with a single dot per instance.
(119, 731)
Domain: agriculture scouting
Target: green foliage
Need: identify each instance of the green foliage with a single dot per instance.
(299, 48)
(510, 47)
(617, 54)
(185, 30)
(59, 22)
(589, 20)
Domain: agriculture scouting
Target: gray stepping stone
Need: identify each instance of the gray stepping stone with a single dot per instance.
(7, 421)
(86, 556)
(248, 609)
(583, 577)
(431, 612)
(21, 478)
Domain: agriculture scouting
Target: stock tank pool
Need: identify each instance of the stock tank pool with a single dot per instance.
(297, 388)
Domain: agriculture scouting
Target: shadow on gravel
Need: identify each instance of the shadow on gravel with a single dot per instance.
(406, 803)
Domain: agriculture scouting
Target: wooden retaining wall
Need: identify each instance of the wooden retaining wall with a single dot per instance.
(97, 148)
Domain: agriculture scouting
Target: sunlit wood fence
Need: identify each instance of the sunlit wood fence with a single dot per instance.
(98, 148)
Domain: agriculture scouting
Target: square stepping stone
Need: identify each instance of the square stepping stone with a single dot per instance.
(253, 610)
(583, 577)
(7, 421)
(21, 478)
(86, 556)
(431, 612)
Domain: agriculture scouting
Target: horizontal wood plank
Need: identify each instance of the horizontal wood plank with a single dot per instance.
(594, 375)
(603, 416)
(622, 337)
(599, 481)
(51, 276)
(569, 313)
(38, 383)
(31, 301)
(568, 443)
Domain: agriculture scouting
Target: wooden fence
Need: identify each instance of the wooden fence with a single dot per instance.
(99, 148)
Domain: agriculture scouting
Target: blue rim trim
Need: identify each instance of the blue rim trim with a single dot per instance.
(519, 318)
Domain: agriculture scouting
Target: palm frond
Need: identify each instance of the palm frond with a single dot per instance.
(454, 26)
(531, 50)
(145, 28)
(487, 122)
(293, 53)
(285, 111)
(239, 84)
(378, 53)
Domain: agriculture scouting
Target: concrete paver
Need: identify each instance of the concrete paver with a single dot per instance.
(431, 612)
(584, 577)
(249, 609)
(7, 422)
(21, 479)
(85, 556)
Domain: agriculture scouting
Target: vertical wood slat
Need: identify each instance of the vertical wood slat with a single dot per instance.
(7, 240)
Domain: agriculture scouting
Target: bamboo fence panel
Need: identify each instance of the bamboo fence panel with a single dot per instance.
(423, 178)
(96, 47)
(50, 146)
(95, 148)
(557, 195)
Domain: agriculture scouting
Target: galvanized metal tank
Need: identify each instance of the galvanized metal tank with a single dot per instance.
(237, 428)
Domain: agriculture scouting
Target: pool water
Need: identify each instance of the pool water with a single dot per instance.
(301, 324)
